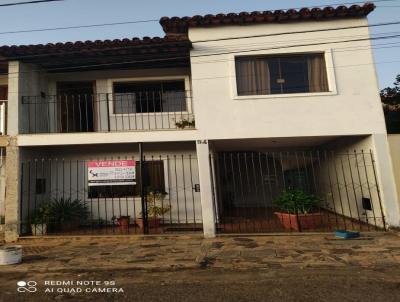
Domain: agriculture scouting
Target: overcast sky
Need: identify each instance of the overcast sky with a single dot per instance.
(82, 12)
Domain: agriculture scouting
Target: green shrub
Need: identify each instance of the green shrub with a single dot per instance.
(297, 201)
(65, 210)
(41, 215)
(155, 204)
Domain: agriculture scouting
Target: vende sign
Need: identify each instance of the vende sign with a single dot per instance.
(111, 172)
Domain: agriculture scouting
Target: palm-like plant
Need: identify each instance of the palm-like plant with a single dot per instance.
(68, 211)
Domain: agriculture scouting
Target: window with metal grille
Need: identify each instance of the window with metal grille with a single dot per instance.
(147, 97)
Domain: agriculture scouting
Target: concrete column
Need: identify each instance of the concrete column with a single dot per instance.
(386, 180)
(206, 188)
(12, 206)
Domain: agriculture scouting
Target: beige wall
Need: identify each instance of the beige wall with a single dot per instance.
(394, 144)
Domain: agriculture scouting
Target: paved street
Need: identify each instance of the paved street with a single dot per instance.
(269, 268)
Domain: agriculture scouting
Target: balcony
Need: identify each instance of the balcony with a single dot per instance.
(107, 112)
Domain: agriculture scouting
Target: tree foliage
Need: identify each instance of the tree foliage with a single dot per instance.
(390, 97)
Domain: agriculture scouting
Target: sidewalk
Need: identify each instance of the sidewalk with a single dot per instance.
(187, 252)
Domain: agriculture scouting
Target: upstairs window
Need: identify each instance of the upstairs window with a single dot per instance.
(281, 74)
(147, 97)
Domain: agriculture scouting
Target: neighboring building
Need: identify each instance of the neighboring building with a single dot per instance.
(230, 110)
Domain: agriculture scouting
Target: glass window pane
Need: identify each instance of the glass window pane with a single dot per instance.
(281, 74)
(144, 97)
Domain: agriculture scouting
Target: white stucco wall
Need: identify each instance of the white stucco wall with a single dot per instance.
(351, 107)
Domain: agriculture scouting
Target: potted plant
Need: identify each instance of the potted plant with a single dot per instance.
(68, 214)
(298, 210)
(185, 123)
(155, 209)
(123, 223)
(40, 220)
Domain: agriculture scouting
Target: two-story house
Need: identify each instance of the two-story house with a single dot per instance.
(202, 130)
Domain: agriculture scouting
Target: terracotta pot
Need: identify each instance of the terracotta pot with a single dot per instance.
(154, 222)
(123, 223)
(39, 229)
(307, 221)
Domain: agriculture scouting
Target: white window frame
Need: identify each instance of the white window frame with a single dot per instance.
(3, 118)
(328, 55)
(186, 79)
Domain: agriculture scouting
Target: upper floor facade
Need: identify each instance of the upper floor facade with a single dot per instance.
(249, 75)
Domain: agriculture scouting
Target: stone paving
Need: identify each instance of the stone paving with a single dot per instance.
(193, 252)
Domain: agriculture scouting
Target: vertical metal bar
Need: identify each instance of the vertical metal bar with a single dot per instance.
(192, 186)
(142, 190)
(73, 114)
(378, 190)
(361, 186)
(29, 116)
(263, 189)
(369, 187)
(154, 110)
(160, 171)
(235, 193)
(169, 189)
(108, 112)
(214, 199)
(354, 189)
(227, 204)
(97, 109)
(141, 109)
(252, 214)
(35, 116)
(256, 189)
(48, 114)
(317, 188)
(276, 180)
(326, 157)
(134, 205)
(50, 181)
(184, 187)
(148, 110)
(161, 110)
(176, 189)
(87, 113)
(80, 113)
(36, 177)
(29, 189)
(57, 179)
(241, 188)
(134, 109)
(300, 227)
(21, 209)
(67, 113)
(347, 191)
(338, 188)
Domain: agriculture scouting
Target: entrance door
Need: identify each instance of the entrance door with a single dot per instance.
(76, 107)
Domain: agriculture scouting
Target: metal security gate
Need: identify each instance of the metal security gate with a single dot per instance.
(62, 195)
(261, 192)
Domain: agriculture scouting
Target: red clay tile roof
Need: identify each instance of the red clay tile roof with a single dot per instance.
(177, 25)
(144, 45)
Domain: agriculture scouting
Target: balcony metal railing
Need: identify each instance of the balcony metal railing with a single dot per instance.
(106, 112)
